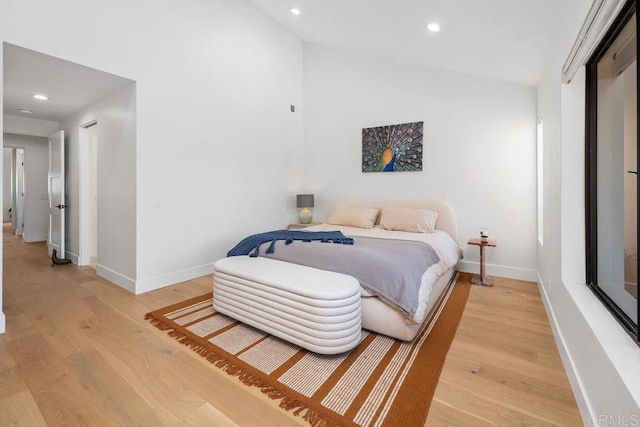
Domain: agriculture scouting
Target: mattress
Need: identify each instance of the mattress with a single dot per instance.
(444, 245)
(384, 319)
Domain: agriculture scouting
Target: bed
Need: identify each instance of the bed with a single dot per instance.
(396, 226)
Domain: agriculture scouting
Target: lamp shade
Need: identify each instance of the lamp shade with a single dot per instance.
(304, 201)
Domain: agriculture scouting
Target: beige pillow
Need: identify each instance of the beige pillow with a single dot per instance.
(353, 216)
(408, 219)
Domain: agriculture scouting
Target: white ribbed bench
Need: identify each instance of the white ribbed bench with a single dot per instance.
(315, 309)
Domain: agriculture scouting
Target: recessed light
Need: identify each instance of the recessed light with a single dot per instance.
(25, 111)
(434, 27)
(295, 11)
(41, 97)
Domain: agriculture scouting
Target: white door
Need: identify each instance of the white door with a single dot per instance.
(19, 192)
(14, 209)
(7, 180)
(88, 194)
(55, 239)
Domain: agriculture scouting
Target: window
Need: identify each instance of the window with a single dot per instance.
(612, 170)
(540, 175)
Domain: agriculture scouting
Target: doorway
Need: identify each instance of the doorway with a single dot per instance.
(88, 175)
(83, 94)
(18, 191)
(7, 154)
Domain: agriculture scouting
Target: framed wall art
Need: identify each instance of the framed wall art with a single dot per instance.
(392, 148)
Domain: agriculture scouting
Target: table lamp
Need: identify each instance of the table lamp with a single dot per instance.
(304, 202)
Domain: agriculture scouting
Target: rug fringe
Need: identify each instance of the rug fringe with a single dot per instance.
(299, 408)
(157, 322)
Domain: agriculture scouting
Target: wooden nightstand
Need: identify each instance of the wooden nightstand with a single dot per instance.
(298, 225)
(482, 278)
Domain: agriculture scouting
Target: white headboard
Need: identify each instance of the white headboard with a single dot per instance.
(447, 219)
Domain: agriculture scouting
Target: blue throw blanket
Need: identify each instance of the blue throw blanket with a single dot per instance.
(251, 245)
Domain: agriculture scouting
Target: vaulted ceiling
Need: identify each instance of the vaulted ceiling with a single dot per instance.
(501, 39)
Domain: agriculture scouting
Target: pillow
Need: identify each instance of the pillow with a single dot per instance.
(354, 217)
(408, 219)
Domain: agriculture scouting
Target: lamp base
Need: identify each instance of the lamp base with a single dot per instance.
(305, 215)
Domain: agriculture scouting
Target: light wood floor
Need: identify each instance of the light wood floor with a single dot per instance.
(78, 351)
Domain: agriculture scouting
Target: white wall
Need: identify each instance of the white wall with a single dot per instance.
(2, 316)
(479, 146)
(602, 362)
(218, 152)
(36, 160)
(6, 184)
(116, 117)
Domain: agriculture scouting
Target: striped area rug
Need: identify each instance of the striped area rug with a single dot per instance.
(383, 382)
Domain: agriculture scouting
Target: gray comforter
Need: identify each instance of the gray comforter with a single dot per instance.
(392, 269)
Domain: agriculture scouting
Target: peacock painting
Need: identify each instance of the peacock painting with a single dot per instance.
(393, 148)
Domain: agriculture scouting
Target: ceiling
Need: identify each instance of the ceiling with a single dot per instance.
(501, 39)
(69, 86)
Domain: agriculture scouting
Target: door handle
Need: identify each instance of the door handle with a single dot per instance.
(633, 172)
(61, 206)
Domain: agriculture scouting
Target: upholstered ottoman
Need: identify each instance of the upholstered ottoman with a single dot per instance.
(315, 309)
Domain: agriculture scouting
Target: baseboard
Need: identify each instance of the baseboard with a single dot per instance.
(117, 278)
(157, 282)
(31, 238)
(579, 391)
(499, 270)
(3, 324)
(71, 257)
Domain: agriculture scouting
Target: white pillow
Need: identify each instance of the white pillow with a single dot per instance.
(353, 216)
(408, 219)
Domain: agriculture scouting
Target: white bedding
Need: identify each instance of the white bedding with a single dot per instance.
(440, 241)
